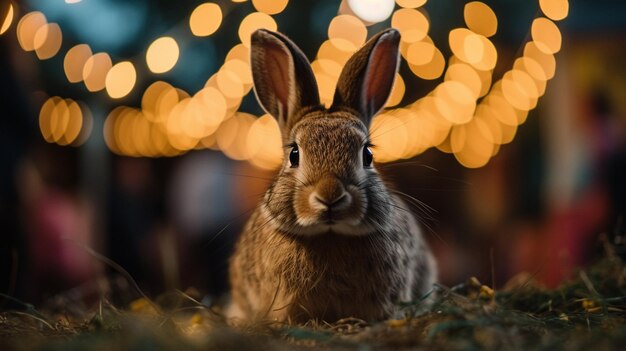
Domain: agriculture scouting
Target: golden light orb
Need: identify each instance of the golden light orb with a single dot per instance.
(349, 29)
(473, 48)
(151, 99)
(229, 83)
(519, 91)
(389, 134)
(27, 28)
(555, 10)
(108, 129)
(233, 134)
(121, 79)
(397, 92)
(412, 24)
(86, 126)
(327, 66)
(264, 143)
(534, 70)
(410, 4)
(59, 119)
(205, 19)
(215, 106)
(372, 11)
(8, 19)
(420, 53)
(74, 124)
(174, 126)
(271, 7)
(241, 69)
(47, 41)
(74, 61)
(546, 35)
(431, 70)
(546, 61)
(239, 52)
(45, 116)
(498, 108)
(480, 18)
(252, 22)
(489, 55)
(340, 54)
(467, 75)
(162, 55)
(95, 71)
(455, 102)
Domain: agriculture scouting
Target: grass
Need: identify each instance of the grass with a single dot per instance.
(588, 312)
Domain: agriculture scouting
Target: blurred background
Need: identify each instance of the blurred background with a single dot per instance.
(129, 133)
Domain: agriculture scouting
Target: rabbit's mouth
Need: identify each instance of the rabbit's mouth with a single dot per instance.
(325, 228)
(318, 213)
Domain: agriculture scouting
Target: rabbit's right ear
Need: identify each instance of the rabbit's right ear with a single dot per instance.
(367, 78)
(283, 80)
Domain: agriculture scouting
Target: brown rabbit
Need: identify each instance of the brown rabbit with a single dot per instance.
(328, 240)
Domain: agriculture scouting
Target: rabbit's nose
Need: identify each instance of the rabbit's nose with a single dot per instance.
(329, 194)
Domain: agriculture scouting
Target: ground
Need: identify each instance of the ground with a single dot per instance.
(588, 312)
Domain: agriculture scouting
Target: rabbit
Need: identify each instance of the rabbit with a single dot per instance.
(328, 240)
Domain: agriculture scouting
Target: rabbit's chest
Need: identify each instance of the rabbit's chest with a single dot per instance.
(342, 276)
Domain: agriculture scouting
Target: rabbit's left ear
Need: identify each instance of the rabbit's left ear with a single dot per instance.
(283, 80)
(367, 78)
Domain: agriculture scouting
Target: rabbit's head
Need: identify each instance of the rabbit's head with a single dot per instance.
(327, 182)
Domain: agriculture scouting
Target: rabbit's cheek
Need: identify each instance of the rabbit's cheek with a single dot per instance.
(306, 215)
(356, 211)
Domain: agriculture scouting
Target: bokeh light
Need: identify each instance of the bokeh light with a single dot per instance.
(546, 35)
(411, 3)
(264, 143)
(252, 22)
(205, 19)
(64, 121)
(95, 71)
(7, 20)
(420, 53)
(347, 32)
(546, 61)
(452, 117)
(271, 7)
(466, 75)
(27, 28)
(372, 11)
(397, 92)
(480, 18)
(431, 70)
(121, 79)
(389, 136)
(74, 61)
(162, 55)
(47, 41)
(411, 23)
(556, 10)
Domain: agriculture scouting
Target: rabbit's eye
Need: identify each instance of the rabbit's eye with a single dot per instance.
(294, 156)
(368, 156)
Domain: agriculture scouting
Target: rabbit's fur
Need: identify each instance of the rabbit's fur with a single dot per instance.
(328, 240)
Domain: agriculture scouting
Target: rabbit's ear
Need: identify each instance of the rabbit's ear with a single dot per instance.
(366, 80)
(283, 80)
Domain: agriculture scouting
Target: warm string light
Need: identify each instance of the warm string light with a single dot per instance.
(451, 117)
(64, 121)
(209, 119)
(466, 114)
(6, 19)
(162, 55)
